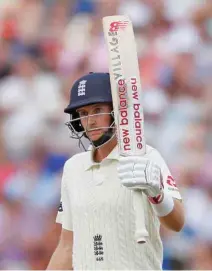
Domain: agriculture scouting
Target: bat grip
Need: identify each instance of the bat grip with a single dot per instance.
(140, 228)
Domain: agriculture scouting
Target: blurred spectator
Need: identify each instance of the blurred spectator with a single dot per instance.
(27, 99)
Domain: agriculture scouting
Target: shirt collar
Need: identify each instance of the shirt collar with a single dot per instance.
(113, 155)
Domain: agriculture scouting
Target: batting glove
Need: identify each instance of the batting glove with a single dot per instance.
(137, 172)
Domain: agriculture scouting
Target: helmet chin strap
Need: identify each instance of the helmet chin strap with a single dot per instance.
(107, 136)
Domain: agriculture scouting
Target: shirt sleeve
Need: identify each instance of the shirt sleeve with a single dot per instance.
(169, 183)
(64, 215)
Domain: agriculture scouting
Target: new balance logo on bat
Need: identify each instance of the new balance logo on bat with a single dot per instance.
(116, 26)
(81, 88)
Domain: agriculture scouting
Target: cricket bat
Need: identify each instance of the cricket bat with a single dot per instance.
(127, 100)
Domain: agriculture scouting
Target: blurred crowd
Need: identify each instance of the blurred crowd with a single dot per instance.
(45, 45)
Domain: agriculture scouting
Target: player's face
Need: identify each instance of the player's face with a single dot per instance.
(95, 119)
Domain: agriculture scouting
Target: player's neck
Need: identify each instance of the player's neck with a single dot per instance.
(104, 150)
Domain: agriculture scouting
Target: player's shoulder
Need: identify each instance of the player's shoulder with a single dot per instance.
(151, 150)
(154, 154)
(77, 160)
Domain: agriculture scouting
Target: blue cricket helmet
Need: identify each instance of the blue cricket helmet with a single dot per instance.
(89, 89)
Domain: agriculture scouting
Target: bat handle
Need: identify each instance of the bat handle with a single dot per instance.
(140, 228)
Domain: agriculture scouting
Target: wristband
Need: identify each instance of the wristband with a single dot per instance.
(163, 204)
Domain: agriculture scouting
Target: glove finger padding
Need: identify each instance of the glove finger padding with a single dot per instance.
(126, 175)
(139, 167)
(128, 171)
(133, 183)
(139, 174)
(124, 167)
(131, 163)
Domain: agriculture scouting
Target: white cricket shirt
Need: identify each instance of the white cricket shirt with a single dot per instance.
(99, 211)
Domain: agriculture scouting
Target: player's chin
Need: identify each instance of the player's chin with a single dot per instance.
(94, 135)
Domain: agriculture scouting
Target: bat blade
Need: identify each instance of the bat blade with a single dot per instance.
(127, 99)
